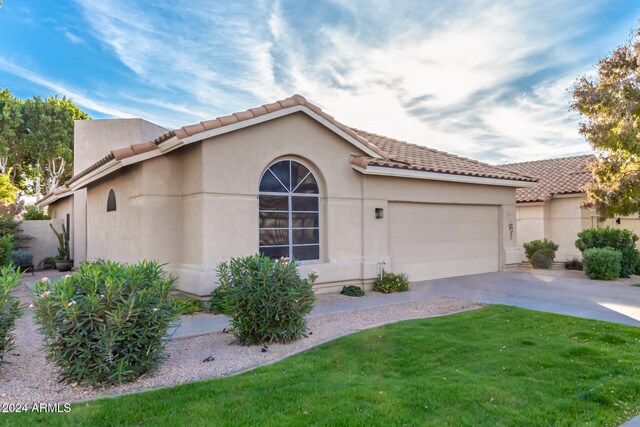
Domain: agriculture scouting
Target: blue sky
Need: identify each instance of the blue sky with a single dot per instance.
(484, 79)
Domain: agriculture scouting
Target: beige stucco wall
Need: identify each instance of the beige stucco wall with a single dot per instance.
(43, 243)
(560, 220)
(198, 205)
(94, 139)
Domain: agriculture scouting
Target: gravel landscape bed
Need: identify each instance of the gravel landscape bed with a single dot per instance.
(27, 377)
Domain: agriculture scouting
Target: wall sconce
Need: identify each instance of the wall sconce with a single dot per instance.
(379, 213)
(618, 221)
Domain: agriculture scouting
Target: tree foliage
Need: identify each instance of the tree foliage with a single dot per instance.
(610, 103)
(36, 140)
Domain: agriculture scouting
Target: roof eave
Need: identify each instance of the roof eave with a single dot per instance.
(438, 176)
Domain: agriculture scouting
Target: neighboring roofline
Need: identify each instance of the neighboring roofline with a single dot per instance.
(553, 196)
(439, 176)
(546, 160)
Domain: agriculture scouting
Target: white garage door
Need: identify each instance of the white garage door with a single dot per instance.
(430, 241)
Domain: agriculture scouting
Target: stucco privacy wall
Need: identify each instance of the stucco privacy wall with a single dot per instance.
(43, 243)
(198, 206)
(59, 211)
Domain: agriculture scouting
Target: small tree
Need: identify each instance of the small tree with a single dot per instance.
(610, 103)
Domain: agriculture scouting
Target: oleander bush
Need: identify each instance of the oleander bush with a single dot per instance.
(549, 249)
(352, 291)
(10, 309)
(266, 299)
(7, 246)
(620, 239)
(542, 259)
(602, 263)
(390, 283)
(219, 301)
(187, 306)
(105, 323)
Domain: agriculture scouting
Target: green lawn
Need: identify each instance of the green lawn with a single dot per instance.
(494, 366)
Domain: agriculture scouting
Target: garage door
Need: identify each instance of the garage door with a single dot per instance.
(430, 241)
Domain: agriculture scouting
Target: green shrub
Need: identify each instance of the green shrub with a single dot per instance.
(620, 239)
(542, 258)
(267, 299)
(187, 306)
(352, 291)
(536, 245)
(50, 262)
(573, 264)
(391, 283)
(10, 309)
(602, 263)
(32, 213)
(219, 301)
(6, 249)
(106, 322)
(21, 258)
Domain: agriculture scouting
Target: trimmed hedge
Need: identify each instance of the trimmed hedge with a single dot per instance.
(540, 253)
(619, 239)
(602, 263)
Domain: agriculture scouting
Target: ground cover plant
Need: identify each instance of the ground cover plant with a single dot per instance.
(105, 323)
(187, 306)
(352, 291)
(391, 282)
(494, 366)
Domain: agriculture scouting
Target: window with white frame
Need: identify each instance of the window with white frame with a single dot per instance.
(289, 206)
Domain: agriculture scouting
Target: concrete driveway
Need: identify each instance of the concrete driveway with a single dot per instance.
(576, 297)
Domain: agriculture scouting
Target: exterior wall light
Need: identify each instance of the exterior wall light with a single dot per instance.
(379, 213)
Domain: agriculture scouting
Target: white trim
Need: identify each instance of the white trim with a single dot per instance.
(274, 115)
(437, 176)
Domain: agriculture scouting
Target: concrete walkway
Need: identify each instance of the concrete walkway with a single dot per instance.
(575, 297)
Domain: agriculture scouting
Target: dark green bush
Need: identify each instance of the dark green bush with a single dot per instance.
(6, 249)
(32, 213)
(50, 262)
(352, 291)
(390, 283)
(573, 264)
(187, 306)
(602, 263)
(267, 299)
(106, 322)
(21, 258)
(10, 309)
(540, 245)
(219, 301)
(542, 258)
(620, 239)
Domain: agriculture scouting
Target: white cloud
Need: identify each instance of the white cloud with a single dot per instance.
(479, 78)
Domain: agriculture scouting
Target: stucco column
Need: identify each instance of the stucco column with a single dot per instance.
(79, 226)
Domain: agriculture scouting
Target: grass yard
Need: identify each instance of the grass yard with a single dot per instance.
(494, 366)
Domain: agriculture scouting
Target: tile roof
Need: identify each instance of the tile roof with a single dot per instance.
(393, 153)
(565, 175)
(417, 157)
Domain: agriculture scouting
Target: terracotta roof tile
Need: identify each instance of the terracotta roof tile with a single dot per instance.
(565, 175)
(393, 153)
(421, 158)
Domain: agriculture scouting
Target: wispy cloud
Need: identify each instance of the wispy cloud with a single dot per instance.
(480, 78)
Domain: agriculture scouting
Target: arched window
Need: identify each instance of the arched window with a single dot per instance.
(111, 201)
(289, 212)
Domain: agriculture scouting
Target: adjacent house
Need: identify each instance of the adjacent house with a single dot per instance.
(552, 208)
(285, 179)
